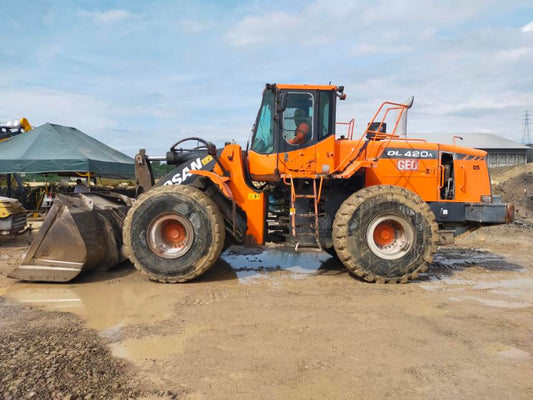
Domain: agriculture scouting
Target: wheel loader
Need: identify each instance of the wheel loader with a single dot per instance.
(12, 217)
(381, 202)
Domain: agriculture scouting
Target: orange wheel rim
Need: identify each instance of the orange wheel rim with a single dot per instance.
(384, 234)
(390, 236)
(173, 232)
(170, 235)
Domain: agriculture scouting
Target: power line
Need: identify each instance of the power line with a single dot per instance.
(526, 135)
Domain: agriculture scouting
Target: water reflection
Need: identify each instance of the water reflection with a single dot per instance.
(253, 266)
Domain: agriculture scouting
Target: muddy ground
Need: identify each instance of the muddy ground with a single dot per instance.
(279, 325)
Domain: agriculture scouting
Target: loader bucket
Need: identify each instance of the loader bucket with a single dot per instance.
(81, 232)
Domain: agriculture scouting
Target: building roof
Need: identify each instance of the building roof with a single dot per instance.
(484, 141)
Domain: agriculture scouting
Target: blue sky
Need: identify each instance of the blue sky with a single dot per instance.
(145, 74)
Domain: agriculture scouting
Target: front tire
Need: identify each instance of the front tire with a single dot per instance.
(174, 233)
(385, 234)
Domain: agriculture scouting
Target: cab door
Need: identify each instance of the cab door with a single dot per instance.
(262, 159)
(446, 175)
(325, 146)
(294, 134)
(298, 134)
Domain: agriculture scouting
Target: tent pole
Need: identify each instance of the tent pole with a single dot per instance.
(8, 176)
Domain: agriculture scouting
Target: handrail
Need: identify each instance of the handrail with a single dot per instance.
(441, 178)
(463, 183)
(377, 135)
(351, 126)
(397, 118)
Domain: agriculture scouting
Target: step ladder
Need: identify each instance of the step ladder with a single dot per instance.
(313, 215)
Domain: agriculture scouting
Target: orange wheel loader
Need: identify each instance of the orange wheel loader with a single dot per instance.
(380, 202)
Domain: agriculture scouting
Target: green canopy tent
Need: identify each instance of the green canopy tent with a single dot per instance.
(52, 148)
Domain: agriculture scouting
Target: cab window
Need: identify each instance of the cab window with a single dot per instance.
(298, 118)
(263, 141)
(324, 115)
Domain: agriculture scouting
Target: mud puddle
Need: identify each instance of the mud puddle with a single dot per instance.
(112, 309)
(108, 304)
(254, 266)
(154, 347)
(102, 305)
(450, 259)
(108, 301)
(123, 306)
(450, 273)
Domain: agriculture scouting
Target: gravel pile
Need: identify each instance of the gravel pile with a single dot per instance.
(48, 355)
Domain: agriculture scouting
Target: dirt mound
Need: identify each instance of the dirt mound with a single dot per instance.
(519, 191)
(501, 174)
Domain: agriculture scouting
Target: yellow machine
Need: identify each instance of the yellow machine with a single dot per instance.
(10, 129)
(12, 216)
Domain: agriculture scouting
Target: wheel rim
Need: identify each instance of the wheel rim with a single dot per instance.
(390, 237)
(170, 235)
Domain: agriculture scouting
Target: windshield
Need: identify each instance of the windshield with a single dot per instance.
(263, 141)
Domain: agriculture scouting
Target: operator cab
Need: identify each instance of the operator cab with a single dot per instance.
(292, 120)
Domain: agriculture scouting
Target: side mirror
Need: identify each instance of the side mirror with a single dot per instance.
(281, 102)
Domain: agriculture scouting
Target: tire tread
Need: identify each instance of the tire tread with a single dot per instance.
(345, 212)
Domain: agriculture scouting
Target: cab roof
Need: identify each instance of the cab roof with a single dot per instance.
(307, 87)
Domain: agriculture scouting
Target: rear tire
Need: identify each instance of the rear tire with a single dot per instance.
(174, 233)
(385, 234)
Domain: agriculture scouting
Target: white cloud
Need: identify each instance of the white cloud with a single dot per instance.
(195, 26)
(49, 51)
(479, 103)
(171, 72)
(273, 27)
(527, 27)
(41, 105)
(368, 49)
(108, 16)
(330, 21)
(515, 54)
